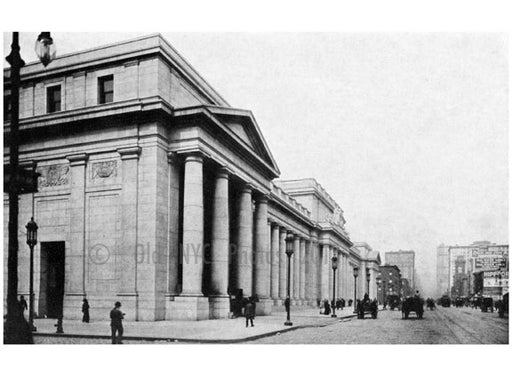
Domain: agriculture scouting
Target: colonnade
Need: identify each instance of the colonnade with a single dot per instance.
(259, 264)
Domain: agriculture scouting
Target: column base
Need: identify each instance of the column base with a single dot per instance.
(129, 305)
(72, 306)
(219, 307)
(278, 302)
(264, 307)
(188, 308)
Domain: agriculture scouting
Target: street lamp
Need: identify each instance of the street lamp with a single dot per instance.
(356, 273)
(334, 267)
(12, 328)
(45, 48)
(368, 277)
(289, 253)
(31, 241)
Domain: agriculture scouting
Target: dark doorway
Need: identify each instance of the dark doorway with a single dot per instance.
(52, 278)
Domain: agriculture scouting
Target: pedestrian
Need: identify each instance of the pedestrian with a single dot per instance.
(342, 303)
(249, 313)
(23, 305)
(85, 311)
(327, 307)
(116, 324)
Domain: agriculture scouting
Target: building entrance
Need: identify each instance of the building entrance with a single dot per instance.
(52, 279)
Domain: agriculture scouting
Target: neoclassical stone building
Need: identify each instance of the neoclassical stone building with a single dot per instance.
(154, 191)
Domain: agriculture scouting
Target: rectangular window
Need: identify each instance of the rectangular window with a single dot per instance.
(7, 108)
(53, 99)
(106, 89)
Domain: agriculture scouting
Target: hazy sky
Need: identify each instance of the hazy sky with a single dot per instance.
(407, 132)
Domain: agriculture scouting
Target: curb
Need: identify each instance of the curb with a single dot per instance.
(193, 340)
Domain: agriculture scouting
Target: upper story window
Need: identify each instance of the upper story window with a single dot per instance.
(7, 107)
(106, 89)
(53, 99)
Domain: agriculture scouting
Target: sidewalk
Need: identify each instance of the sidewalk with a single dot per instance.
(207, 331)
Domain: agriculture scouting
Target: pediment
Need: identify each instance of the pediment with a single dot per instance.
(243, 125)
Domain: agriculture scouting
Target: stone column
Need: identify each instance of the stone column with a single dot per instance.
(193, 226)
(342, 283)
(309, 272)
(274, 280)
(244, 237)
(296, 268)
(76, 256)
(262, 258)
(282, 263)
(174, 225)
(325, 272)
(302, 271)
(219, 301)
(191, 304)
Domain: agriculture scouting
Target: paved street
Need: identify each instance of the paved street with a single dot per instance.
(443, 326)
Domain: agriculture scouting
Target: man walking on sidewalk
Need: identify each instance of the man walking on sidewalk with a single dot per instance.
(249, 313)
(116, 324)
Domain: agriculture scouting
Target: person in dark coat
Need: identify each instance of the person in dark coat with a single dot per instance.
(116, 324)
(327, 307)
(85, 310)
(249, 313)
(23, 305)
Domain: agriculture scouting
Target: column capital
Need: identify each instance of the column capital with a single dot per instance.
(130, 152)
(262, 198)
(77, 159)
(247, 188)
(283, 229)
(223, 172)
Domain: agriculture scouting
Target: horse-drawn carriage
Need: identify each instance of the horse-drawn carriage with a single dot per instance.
(445, 301)
(487, 304)
(367, 307)
(412, 304)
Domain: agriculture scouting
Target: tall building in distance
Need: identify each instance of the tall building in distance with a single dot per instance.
(477, 269)
(443, 270)
(405, 262)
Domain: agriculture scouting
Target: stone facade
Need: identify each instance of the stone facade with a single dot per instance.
(164, 198)
(405, 260)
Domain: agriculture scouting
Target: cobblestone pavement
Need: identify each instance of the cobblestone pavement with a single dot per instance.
(443, 326)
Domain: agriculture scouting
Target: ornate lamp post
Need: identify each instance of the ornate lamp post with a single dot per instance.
(334, 261)
(356, 273)
(45, 48)
(17, 183)
(31, 241)
(368, 277)
(289, 253)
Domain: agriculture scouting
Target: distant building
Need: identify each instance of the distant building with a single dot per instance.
(406, 288)
(405, 262)
(480, 268)
(390, 282)
(443, 270)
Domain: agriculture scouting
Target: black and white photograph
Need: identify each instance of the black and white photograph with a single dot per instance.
(203, 186)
